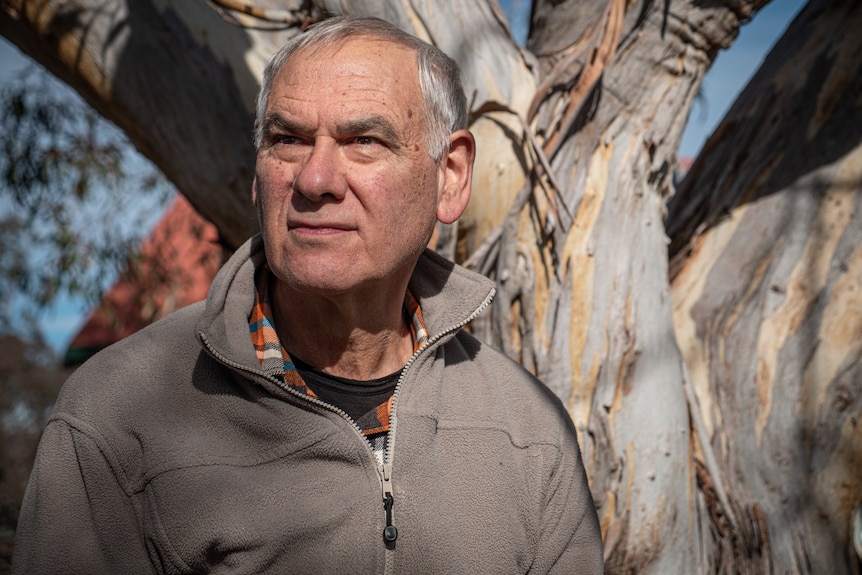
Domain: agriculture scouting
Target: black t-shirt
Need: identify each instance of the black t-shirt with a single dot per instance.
(355, 397)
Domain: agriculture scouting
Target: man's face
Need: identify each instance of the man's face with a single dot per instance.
(345, 189)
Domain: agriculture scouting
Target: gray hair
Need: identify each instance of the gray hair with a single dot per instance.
(439, 75)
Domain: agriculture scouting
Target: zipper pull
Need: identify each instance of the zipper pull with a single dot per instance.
(390, 533)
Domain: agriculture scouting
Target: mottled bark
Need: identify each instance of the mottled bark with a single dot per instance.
(767, 239)
(577, 137)
(174, 77)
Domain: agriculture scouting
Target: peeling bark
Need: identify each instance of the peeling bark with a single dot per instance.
(718, 415)
(767, 241)
(173, 77)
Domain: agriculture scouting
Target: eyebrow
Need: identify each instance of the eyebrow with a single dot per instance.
(371, 124)
(280, 122)
(377, 125)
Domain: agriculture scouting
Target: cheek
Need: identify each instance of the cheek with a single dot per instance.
(269, 213)
(273, 184)
(418, 199)
(420, 185)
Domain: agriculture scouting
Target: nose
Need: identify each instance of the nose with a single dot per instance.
(321, 175)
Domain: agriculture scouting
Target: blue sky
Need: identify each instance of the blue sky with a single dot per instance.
(729, 73)
(725, 79)
(732, 70)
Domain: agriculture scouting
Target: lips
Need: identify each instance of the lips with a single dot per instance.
(319, 227)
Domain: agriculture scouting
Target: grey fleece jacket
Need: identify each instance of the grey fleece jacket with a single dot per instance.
(171, 452)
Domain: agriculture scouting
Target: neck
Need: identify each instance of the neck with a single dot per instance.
(358, 337)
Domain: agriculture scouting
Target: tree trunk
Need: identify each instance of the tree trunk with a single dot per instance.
(767, 237)
(173, 77)
(577, 137)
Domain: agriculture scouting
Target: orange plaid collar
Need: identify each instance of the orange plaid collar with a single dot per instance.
(276, 362)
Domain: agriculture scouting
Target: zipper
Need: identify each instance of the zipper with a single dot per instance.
(390, 533)
(384, 469)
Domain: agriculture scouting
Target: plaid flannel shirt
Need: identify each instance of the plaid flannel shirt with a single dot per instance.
(276, 362)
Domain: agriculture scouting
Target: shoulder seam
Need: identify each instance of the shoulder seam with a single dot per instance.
(89, 431)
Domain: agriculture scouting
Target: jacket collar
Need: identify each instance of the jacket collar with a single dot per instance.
(448, 294)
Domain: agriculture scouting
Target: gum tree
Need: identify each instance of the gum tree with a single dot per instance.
(716, 393)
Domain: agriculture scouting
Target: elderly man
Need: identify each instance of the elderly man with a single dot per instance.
(323, 411)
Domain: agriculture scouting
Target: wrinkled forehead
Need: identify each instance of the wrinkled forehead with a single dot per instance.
(360, 48)
(353, 62)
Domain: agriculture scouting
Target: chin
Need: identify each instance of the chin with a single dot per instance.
(319, 279)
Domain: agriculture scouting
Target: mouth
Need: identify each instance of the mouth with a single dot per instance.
(318, 228)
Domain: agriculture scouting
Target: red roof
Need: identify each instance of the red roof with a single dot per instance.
(174, 268)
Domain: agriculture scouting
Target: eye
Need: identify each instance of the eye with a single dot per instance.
(366, 140)
(285, 139)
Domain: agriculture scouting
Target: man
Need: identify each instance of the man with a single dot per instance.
(322, 411)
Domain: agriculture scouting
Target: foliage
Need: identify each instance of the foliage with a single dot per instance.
(75, 200)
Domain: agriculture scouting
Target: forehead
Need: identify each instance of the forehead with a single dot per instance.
(360, 63)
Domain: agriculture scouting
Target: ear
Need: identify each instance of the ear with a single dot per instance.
(457, 167)
(254, 191)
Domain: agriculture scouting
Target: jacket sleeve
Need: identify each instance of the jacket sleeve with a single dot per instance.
(76, 516)
(571, 539)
